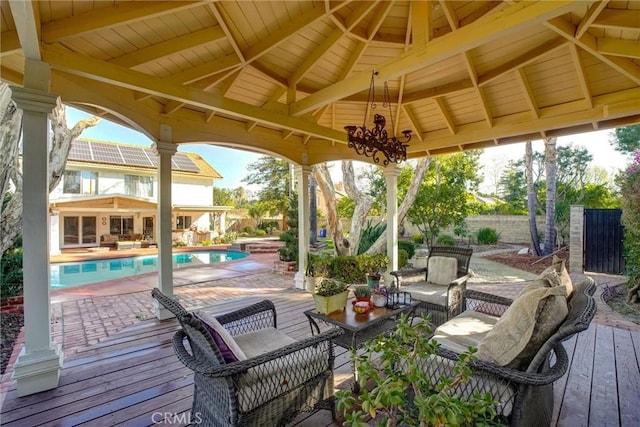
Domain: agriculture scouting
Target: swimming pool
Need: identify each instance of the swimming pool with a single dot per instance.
(70, 274)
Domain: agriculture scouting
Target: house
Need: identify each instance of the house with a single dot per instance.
(109, 192)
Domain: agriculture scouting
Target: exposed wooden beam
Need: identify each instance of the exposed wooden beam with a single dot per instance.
(577, 61)
(433, 92)
(527, 92)
(169, 47)
(621, 19)
(588, 19)
(172, 106)
(361, 11)
(76, 64)
(415, 124)
(617, 47)
(421, 22)
(482, 98)
(109, 17)
(311, 60)
(379, 16)
(9, 43)
(205, 69)
(450, 13)
(444, 111)
(26, 17)
(9, 75)
(225, 23)
(488, 28)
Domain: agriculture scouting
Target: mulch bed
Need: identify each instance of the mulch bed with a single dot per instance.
(10, 326)
(530, 263)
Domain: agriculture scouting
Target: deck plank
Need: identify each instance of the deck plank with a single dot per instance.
(628, 378)
(560, 386)
(604, 391)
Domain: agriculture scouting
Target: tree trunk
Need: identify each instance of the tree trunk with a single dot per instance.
(325, 183)
(363, 204)
(531, 199)
(550, 171)
(10, 132)
(418, 175)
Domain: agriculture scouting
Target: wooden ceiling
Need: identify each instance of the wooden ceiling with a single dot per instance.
(285, 77)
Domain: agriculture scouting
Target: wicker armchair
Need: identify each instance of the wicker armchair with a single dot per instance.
(266, 389)
(442, 301)
(524, 395)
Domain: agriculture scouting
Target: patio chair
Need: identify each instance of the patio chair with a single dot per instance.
(273, 377)
(441, 292)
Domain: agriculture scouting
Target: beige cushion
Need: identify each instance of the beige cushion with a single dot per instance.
(530, 320)
(465, 330)
(558, 266)
(222, 337)
(442, 270)
(262, 341)
(428, 292)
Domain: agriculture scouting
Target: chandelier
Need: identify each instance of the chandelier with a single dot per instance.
(375, 142)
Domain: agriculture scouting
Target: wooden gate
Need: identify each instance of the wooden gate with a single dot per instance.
(603, 241)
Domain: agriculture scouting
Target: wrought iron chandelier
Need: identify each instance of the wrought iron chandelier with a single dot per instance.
(375, 142)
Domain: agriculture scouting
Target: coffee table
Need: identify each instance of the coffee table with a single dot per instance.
(359, 328)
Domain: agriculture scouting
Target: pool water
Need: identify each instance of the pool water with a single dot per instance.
(70, 274)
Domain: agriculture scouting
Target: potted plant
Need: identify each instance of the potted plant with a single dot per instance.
(362, 293)
(374, 265)
(317, 269)
(330, 295)
(379, 296)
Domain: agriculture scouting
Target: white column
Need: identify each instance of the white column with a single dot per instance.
(165, 150)
(223, 222)
(54, 239)
(391, 174)
(302, 177)
(38, 365)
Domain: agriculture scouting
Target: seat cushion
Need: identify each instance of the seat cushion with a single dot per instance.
(442, 270)
(428, 292)
(530, 320)
(465, 330)
(230, 350)
(262, 341)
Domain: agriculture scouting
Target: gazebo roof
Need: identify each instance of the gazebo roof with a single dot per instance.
(285, 77)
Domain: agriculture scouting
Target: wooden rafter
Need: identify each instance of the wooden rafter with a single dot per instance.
(444, 111)
(588, 19)
(527, 92)
(450, 14)
(27, 21)
(584, 86)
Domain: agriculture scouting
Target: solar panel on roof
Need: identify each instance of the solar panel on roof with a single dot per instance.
(135, 156)
(106, 153)
(152, 155)
(183, 162)
(80, 151)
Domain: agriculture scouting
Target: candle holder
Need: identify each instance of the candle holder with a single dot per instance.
(397, 299)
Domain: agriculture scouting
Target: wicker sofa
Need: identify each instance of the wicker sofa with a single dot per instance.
(524, 393)
(442, 299)
(277, 380)
(111, 240)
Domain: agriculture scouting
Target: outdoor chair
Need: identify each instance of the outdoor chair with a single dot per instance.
(522, 389)
(246, 371)
(441, 291)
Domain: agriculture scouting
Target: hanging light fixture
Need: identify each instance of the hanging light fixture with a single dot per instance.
(375, 142)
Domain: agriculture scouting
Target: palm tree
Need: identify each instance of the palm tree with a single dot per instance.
(551, 166)
(531, 199)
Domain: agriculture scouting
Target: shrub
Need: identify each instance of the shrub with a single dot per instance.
(260, 233)
(418, 239)
(290, 237)
(629, 182)
(347, 269)
(206, 242)
(11, 282)
(249, 230)
(403, 258)
(445, 240)
(487, 236)
(330, 287)
(179, 242)
(370, 233)
(408, 246)
(267, 226)
(229, 237)
(404, 393)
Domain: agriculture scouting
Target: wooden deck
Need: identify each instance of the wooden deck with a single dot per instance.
(133, 378)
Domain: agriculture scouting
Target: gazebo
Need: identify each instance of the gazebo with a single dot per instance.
(284, 78)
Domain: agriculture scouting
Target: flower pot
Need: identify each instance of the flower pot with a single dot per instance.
(379, 300)
(364, 299)
(326, 305)
(373, 281)
(311, 282)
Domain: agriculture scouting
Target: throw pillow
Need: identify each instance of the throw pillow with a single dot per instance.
(530, 320)
(442, 270)
(230, 351)
(558, 266)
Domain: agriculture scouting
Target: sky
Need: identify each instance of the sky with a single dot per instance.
(232, 163)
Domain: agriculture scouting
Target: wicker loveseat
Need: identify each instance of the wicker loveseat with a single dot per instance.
(271, 385)
(111, 240)
(443, 300)
(524, 393)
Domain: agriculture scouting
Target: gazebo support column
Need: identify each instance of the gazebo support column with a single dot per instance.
(302, 177)
(38, 366)
(165, 150)
(391, 174)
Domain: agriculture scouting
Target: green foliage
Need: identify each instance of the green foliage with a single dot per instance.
(346, 207)
(179, 243)
(11, 280)
(223, 197)
(249, 229)
(418, 239)
(318, 265)
(446, 240)
(403, 258)
(260, 233)
(206, 242)
(347, 269)
(330, 287)
(290, 237)
(444, 198)
(404, 394)
(513, 189)
(362, 291)
(373, 264)
(626, 139)
(268, 226)
(272, 176)
(487, 236)
(408, 246)
(370, 233)
(629, 182)
(229, 237)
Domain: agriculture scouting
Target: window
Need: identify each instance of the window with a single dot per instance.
(80, 182)
(79, 230)
(120, 224)
(183, 222)
(138, 186)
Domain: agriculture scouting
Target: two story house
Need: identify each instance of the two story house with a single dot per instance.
(110, 190)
